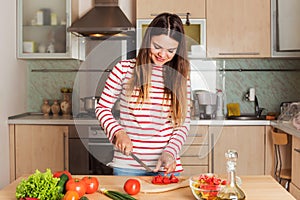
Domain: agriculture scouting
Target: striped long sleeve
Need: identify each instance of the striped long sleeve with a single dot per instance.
(148, 125)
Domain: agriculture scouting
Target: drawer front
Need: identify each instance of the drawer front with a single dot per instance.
(295, 191)
(196, 139)
(199, 151)
(296, 161)
(190, 160)
(197, 135)
(194, 170)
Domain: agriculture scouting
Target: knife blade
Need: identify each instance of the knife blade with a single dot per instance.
(148, 169)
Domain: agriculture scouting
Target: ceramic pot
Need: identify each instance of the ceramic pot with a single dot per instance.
(45, 107)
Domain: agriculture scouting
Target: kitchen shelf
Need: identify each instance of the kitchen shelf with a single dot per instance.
(41, 30)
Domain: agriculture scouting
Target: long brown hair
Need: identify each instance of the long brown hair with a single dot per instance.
(175, 74)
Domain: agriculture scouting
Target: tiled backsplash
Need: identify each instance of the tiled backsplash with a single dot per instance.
(272, 87)
(271, 78)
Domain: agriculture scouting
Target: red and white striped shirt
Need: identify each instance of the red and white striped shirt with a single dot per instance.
(148, 125)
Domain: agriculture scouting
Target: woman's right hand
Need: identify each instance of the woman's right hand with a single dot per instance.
(123, 142)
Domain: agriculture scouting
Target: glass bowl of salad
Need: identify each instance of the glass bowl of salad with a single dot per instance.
(206, 186)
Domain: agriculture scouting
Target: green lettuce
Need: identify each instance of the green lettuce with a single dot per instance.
(39, 185)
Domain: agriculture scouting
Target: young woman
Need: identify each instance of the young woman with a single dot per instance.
(154, 92)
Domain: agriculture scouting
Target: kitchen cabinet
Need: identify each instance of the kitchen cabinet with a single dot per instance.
(194, 154)
(37, 147)
(41, 29)
(238, 28)
(295, 183)
(249, 141)
(150, 8)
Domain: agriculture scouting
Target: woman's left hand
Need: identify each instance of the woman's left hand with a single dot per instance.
(167, 161)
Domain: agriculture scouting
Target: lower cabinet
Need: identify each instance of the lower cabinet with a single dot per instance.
(37, 147)
(248, 141)
(194, 154)
(295, 185)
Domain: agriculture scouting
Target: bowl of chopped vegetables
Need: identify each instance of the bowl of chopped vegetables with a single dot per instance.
(206, 186)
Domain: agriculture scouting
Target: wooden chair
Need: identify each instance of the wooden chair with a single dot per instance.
(280, 139)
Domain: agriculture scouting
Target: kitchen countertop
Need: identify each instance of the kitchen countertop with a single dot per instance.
(40, 119)
(287, 127)
(255, 188)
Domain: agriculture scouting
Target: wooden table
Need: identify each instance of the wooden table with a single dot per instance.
(255, 188)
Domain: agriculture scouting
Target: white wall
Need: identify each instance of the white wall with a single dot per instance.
(12, 83)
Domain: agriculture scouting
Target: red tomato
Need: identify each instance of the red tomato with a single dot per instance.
(59, 173)
(91, 183)
(166, 180)
(77, 185)
(71, 195)
(174, 179)
(132, 186)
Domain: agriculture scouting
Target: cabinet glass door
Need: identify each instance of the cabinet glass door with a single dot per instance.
(42, 29)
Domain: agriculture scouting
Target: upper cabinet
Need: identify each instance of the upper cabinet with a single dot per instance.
(238, 28)
(150, 8)
(41, 29)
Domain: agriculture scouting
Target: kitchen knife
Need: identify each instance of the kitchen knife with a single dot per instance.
(148, 169)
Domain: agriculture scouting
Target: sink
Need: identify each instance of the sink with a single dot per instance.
(247, 117)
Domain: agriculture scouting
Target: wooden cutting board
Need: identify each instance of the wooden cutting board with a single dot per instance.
(148, 187)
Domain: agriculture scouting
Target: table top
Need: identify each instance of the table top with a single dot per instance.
(255, 188)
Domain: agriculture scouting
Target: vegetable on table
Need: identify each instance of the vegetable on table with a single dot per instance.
(132, 186)
(42, 186)
(59, 173)
(76, 184)
(62, 183)
(159, 179)
(91, 183)
(115, 195)
(84, 198)
(71, 195)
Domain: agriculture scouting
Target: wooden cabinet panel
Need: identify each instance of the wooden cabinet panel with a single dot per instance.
(193, 170)
(149, 8)
(295, 191)
(249, 141)
(296, 161)
(238, 28)
(194, 154)
(38, 147)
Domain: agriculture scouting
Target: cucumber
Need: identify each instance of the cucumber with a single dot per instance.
(118, 195)
(83, 198)
(62, 182)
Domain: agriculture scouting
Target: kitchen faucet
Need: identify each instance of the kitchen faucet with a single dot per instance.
(257, 110)
(250, 96)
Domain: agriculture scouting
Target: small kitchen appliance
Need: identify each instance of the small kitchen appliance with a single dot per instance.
(207, 104)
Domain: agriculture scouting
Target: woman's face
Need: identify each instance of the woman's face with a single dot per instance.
(163, 49)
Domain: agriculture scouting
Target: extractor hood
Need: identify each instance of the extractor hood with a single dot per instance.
(105, 19)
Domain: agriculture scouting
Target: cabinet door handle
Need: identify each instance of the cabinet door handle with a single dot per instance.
(297, 150)
(239, 53)
(179, 14)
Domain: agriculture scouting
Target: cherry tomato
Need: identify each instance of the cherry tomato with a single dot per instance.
(59, 173)
(91, 183)
(71, 195)
(132, 186)
(77, 185)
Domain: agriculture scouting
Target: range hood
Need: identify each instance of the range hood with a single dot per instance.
(105, 19)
